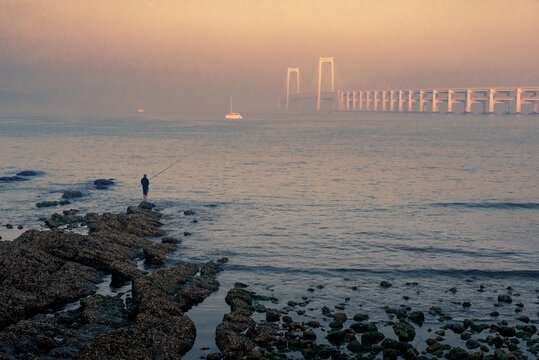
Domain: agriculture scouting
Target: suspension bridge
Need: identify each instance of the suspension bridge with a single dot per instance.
(515, 99)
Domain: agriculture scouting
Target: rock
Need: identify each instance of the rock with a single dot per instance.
(361, 317)
(506, 331)
(336, 337)
(456, 328)
(105, 310)
(189, 212)
(372, 337)
(523, 318)
(404, 331)
(505, 299)
(170, 240)
(385, 284)
(103, 183)
(453, 290)
(466, 304)
(69, 217)
(272, 315)
(196, 291)
(20, 227)
(154, 337)
(47, 204)
(186, 233)
(417, 317)
(9, 226)
(457, 353)
(494, 314)
(154, 254)
(340, 316)
(11, 178)
(28, 173)
(146, 205)
(313, 323)
(72, 194)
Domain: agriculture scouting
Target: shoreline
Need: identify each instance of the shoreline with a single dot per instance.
(105, 326)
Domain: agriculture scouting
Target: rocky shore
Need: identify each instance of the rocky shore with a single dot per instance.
(50, 307)
(43, 271)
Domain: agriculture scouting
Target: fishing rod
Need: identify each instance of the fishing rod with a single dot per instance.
(162, 171)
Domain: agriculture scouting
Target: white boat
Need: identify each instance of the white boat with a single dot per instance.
(231, 114)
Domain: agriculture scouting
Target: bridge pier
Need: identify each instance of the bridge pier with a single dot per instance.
(400, 100)
(375, 101)
(468, 101)
(449, 100)
(410, 100)
(490, 101)
(384, 100)
(518, 101)
(434, 101)
(361, 101)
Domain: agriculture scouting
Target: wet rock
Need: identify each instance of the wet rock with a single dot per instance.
(272, 315)
(457, 353)
(505, 299)
(28, 173)
(417, 317)
(72, 194)
(186, 233)
(154, 337)
(326, 311)
(155, 254)
(506, 331)
(494, 314)
(523, 318)
(385, 284)
(20, 227)
(361, 317)
(189, 212)
(336, 337)
(404, 331)
(472, 344)
(456, 328)
(68, 217)
(453, 290)
(11, 178)
(170, 240)
(105, 310)
(146, 205)
(47, 204)
(372, 337)
(136, 221)
(313, 323)
(336, 325)
(103, 183)
(340, 316)
(466, 304)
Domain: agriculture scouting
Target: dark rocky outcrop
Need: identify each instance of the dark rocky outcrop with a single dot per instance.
(41, 271)
(229, 334)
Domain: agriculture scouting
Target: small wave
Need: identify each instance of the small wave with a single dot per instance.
(427, 272)
(487, 205)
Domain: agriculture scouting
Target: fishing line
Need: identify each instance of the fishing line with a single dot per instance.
(162, 171)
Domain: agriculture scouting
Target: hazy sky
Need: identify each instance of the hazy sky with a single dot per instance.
(96, 56)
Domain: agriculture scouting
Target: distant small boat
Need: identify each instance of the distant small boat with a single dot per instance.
(141, 110)
(231, 114)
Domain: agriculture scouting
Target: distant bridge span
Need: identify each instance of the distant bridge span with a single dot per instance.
(415, 100)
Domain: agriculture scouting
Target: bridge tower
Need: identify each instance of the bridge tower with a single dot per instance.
(291, 70)
(320, 62)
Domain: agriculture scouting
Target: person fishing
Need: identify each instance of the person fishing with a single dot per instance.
(145, 185)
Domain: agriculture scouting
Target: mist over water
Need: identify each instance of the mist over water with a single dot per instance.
(294, 201)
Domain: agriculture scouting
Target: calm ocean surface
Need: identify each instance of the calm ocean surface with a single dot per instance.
(338, 200)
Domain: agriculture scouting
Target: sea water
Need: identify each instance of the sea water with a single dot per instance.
(426, 202)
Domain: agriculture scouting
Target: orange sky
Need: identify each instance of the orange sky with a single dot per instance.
(175, 56)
